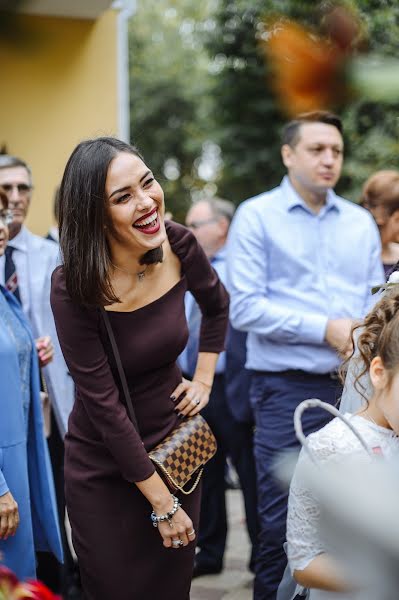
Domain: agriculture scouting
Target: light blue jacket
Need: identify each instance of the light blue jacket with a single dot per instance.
(25, 468)
(41, 258)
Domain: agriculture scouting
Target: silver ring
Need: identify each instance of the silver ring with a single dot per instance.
(197, 402)
(177, 543)
(191, 532)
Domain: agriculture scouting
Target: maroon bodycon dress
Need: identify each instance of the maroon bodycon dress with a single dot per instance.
(121, 556)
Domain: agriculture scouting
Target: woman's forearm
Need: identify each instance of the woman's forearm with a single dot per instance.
(323, 573)
(205, 369)
(157, 493)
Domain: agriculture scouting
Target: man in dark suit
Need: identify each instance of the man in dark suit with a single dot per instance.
(228, 411)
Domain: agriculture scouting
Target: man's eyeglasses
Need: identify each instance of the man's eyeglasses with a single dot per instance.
(198, 224)
(23, 188)
(6, 216)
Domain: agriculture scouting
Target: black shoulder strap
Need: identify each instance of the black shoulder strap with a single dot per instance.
(121, 372)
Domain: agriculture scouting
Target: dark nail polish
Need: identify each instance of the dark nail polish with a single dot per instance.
(176, 410)
(181, 416)
(173, 398)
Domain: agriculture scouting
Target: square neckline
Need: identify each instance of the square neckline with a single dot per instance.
(169, 228)
(128, 312)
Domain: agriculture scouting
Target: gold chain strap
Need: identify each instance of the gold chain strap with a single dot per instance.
(173, 482)
(197, 480)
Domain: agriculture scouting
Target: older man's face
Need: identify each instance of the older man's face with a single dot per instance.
(209, 230)
(17, 184)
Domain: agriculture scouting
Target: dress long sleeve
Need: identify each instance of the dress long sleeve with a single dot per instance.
(78, 332)
(206, 287)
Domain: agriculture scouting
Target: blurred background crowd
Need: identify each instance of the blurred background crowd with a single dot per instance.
(202, 91)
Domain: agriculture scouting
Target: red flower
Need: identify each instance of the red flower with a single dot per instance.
(7, 575)
(12, 589)
(310, 70)
(306, 69)
(8, 581)
(343, 26)
(34, 590)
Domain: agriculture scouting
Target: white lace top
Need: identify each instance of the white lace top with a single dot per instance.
(330, 444)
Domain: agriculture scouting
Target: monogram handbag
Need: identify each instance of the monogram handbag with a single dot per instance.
(181, 456)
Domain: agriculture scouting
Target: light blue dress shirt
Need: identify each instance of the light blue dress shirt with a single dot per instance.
(290, 270)
(218, 262)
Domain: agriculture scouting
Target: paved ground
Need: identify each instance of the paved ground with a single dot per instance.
(235, 582)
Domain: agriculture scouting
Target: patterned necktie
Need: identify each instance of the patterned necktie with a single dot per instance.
(10, 274)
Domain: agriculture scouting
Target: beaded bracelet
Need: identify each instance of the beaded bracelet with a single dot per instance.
(167, 516)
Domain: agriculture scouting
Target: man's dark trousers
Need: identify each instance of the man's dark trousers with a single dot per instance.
(274, 398)
(236, 440)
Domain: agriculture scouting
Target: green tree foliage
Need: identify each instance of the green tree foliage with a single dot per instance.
(169, 95)
(199, 82)
(372, 128)
(248, 116)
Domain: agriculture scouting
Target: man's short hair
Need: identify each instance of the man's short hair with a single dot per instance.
(9, 162)
(221, 207)
(290, 133)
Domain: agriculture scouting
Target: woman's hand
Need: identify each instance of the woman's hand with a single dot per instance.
(161, 500)
(180, 534)
(191, 397)
(9, 516)
(45, 350)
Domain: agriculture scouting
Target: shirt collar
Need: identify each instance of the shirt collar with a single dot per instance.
(293, 199)
(20, 241)
(220, 255)
(54, 232)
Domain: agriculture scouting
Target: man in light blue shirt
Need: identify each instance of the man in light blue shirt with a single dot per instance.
(301, 265)
(209, 220)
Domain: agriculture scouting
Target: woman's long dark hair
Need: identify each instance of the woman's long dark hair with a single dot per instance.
(83, 219)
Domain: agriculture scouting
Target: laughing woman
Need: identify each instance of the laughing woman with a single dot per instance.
(120, 254)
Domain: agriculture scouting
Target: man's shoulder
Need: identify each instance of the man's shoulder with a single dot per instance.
(261, 202)
(41, 244)
(352, 209)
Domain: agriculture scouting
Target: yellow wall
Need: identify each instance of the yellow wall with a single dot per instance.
(54, 93)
